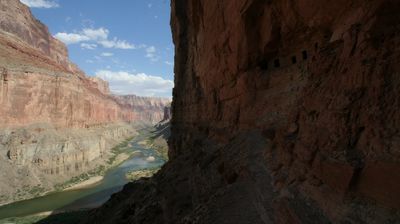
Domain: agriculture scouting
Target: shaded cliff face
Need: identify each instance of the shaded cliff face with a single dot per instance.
(167, 113)
(283, 112)
(146, 109)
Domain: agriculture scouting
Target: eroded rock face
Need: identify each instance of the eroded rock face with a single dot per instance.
(283, 112)
(41, 155)
(38, 84)
(16, 19)
(101, 85)
(147, 109)
(62, 99)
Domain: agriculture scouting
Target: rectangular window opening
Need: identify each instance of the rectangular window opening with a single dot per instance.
(277, 64)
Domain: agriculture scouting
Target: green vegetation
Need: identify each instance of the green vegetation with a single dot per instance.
(119, 149)
(137, 174)
(26, 191)
(37, 190)
(99, 171)
(160, 148)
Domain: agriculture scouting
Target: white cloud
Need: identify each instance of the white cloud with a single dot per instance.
(71, 38)
(115, 43)
(141, 84)
(150, 5)
(88, 46)
(168, 63)
(40, 3)
(151, 53)
(89, 61)
(96, 34)
(99, 36)
(107, 54)
(151, 49)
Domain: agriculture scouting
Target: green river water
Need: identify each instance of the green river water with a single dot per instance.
(112, 182)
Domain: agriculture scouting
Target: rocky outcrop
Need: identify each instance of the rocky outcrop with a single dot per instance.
(146, 109)
(17, 21)
(283, 112)
(100, 84)
(167, 113)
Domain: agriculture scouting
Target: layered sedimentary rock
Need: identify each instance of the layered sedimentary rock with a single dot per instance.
(29, 96)
(55, 122)
(17, 20)
(38, 84)
(283, 112)
(147, 109)
(39, 157)
(101, 85)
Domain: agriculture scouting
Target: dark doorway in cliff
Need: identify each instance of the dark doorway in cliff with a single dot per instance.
(263, 64)
(294, 60)
(305, 55)
(277, 63)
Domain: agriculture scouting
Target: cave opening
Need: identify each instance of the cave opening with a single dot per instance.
(277, 63)
(263, 64)
(294, 60)
(305, 55)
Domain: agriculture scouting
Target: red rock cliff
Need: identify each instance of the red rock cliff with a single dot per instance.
(17, 20)
(283, 112)
(146, 109)
(38, 83)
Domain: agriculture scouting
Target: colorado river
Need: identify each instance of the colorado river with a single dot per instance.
(90, 197)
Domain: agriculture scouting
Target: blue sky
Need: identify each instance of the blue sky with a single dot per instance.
(126, 42)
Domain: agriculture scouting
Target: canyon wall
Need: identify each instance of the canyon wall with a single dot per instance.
(31, 96)
(17, 21)
(148, 109)
(40, 158)
(38, 83)
(55, 122)
(283, 112)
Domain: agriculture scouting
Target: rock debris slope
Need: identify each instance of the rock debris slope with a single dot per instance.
(283, 112)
